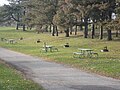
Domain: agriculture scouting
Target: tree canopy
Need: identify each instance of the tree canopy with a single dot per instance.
(63, 13)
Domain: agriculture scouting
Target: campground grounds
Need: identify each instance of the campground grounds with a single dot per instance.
(107, 63)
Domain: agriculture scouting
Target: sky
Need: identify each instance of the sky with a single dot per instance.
(2, 2)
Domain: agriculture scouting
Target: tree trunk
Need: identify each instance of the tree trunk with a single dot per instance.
(70, 30)
(17, 26)
(50, 28)
(81, 26)
(93, 31)
(46, 28)
(56, 31)
(53, 31)
(86, 27)
(75, 29)
(67, 32)
(117, 33)
(23, 27)
(101, 32)
(110, 15)
(23, 23)
(18, 20)
(109, 35)
(86, 30)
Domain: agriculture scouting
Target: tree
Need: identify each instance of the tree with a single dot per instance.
(41, 12)
(63, 13)
(14, 11)
(4, 14)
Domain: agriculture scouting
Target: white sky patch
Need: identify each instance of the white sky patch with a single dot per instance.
(2, 2)
(113, 15)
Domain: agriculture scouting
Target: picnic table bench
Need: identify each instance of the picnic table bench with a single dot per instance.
(77, 54)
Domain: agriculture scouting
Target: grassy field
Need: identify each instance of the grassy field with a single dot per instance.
(108, 63)
(11, 79)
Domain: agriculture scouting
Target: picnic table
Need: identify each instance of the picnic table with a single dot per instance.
(49, 48)
(85, 52)
(11, 41)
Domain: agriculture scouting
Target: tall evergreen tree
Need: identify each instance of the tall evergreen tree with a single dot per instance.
(41, 12)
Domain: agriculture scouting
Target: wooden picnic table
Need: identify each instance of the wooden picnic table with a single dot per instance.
(49, 47)
(87, 52)
(11, 41)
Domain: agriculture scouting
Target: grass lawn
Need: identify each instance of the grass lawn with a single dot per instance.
(108, 63)
(10, 79)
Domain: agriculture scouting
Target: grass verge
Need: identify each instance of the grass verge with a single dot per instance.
(10, 79)
(107, 63)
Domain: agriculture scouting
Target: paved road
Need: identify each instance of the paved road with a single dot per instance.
(53, 76)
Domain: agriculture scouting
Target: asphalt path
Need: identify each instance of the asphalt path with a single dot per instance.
(53, 76)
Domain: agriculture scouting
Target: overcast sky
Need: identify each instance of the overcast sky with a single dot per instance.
(2, 2)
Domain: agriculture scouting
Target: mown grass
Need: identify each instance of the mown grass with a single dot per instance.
(108, 63)
(10, 79)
